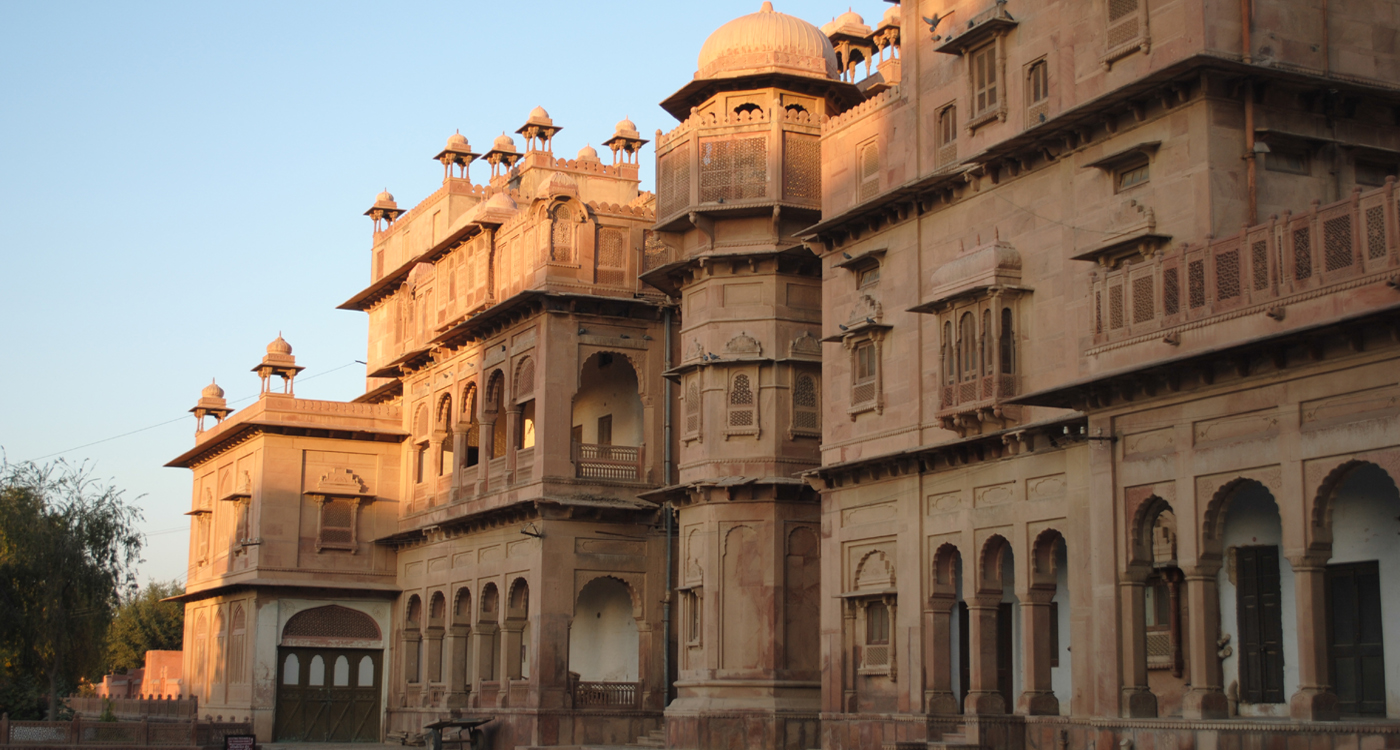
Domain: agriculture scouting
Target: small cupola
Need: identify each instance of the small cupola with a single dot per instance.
(384, 211)
(502, 153)
(211, 404)
(538, 131)
(278, 362)
(457, 153)
(625, 142)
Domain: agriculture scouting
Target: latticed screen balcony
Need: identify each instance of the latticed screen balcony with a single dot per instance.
(1264, 268)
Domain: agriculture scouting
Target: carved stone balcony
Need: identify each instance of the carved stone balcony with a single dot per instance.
(1284, 268)
(619, 463)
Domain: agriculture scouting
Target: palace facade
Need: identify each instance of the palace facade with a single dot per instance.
(1002, 374)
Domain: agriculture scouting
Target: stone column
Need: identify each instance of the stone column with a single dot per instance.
(412, 668)
(458, 684)
(848, 655)
(1314, 700)
(459, 455)
(484, 450)
(512, 439)
(1037, 695)
(434, 657)
(1205, 699)
(938, 656)
(982, 694)
(1138, 701)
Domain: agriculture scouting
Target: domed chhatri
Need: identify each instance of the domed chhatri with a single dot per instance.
(539, 130)
(457, 153)
(625, 142)
(278, 362)
(502, 155)
(588, 153)
(384, 210)
(767, 41)
(211, 404)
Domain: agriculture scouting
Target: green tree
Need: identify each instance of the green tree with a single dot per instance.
(68, 551)
(144, 623)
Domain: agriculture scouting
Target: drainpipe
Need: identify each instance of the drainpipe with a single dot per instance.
(1251, 158)
(666, 407)
(667, 515)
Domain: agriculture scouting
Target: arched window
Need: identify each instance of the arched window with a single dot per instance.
(967, 347)
(473, 452)
(1008, 343)
(692, 406)
(806, 411)
(525, 398)
(950, 367)
(987, 342)
(869, 170)
(445, 436)
(561, 245)
(748, 108)
(743, 417)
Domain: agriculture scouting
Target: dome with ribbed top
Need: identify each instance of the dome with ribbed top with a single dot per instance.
(767, 42)
(212, 391)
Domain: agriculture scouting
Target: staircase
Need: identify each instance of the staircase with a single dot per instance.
(654, 738)
(954, 740)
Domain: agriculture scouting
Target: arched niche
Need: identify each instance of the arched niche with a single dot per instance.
(604, 640)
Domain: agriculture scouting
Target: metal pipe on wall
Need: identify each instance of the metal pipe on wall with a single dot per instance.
(1251, 158)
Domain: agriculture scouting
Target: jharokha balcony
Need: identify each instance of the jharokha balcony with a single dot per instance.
(1295, 271)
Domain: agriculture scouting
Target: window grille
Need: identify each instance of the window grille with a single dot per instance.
(612, 258)
(802, 167)
(806, 412)
(1123, 25)
(733, 169)
(561, 245)
(1171, 291)
(673, 183)
(1302, 253)
(1196, 283)
(865, 370)
(1143, 308)
(337, 523)
(1115, 307)
(1375, 233)
(743, 417)
(1227, 275)
(1336, 242)
(692, 407)
(1259, 261)
(525, 380)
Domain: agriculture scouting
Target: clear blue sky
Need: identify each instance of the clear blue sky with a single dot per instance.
(182, 181)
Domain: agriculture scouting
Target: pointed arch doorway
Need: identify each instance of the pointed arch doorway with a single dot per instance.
(328, 685)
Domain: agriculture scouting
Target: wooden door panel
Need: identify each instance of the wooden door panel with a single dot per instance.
(1355, 641)
(338, 708)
